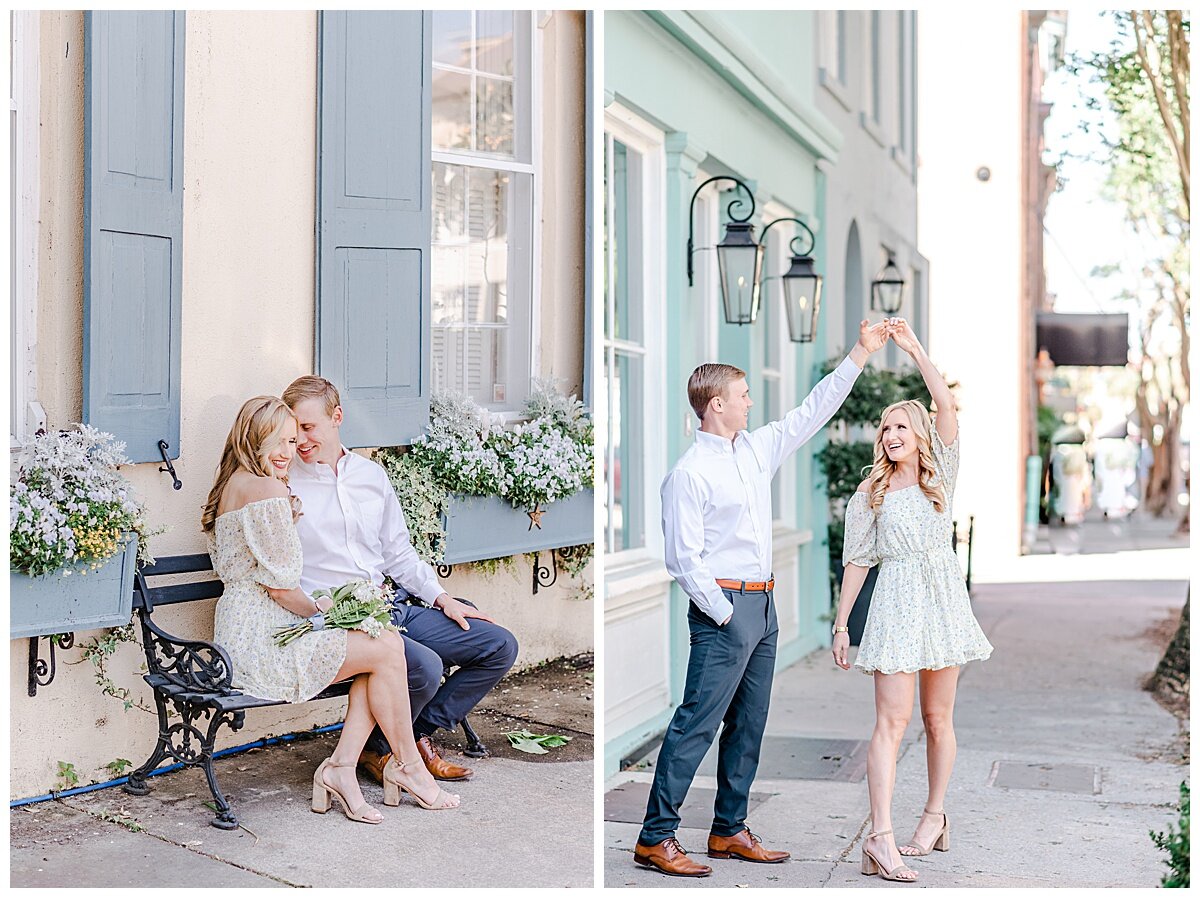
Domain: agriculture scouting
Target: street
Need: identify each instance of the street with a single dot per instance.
(1064, 763)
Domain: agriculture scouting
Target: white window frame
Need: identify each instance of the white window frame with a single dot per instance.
(902, 149)
(832, 28)
(511, 411)
(26, 415)
(871, 116)
(642, 137)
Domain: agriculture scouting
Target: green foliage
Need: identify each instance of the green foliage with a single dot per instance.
(117, 766)
(422, 499)
(68, 778)
(842, 465)
(875, 390)
(1177, 842)
(99, 651)
(523, 740)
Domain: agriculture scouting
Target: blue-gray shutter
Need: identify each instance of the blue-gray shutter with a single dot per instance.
(133, 227)
(374, 180)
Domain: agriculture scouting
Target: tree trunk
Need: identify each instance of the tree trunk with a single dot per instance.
(1170, 682)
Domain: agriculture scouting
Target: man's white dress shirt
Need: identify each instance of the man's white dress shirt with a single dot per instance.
(352, 528)
(716, 501)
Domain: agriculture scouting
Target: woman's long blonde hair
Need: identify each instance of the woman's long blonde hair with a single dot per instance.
(883, 467)
(257, 428)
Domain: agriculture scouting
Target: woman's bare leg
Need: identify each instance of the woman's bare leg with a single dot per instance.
(938, 690)
(357, 727)
(386, 693)
(894, 694)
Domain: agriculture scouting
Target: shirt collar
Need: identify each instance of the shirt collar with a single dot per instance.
(715, 443)
(320, 470)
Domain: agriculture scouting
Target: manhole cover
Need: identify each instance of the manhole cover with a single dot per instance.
(627, 804)
(1047, 777)
(805, 758)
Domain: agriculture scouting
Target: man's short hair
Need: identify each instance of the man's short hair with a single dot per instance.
(312, 387)
(707, 381)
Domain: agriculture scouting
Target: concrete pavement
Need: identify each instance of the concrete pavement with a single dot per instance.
(1064, 762)
(108, 838)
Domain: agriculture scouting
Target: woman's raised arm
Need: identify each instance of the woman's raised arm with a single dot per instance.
(947, 415)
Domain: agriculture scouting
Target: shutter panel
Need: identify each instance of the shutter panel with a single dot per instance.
(133, 227)
(374, 180)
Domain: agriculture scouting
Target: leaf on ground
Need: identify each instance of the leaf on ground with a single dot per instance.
(531, 743)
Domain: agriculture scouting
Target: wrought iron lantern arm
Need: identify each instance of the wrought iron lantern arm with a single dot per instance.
(812, 240)
(733, 203)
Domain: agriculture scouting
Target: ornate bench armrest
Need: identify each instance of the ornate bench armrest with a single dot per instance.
(192, 664)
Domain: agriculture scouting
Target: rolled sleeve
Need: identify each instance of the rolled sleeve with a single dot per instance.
(683, 532)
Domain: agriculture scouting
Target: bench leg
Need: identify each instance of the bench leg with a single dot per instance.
(225, 818)
(136, 782)
(475, 748)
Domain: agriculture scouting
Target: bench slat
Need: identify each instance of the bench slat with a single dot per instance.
(178, 564)
(186, 592)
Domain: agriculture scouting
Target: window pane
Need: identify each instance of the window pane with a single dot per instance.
(494, 121)
(494, 41)
(452, 38)
(451, 110)
(625, 520)
(625, 244)
(480, 272)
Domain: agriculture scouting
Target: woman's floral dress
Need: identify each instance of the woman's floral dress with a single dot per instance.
(253, 547)
(920, 616)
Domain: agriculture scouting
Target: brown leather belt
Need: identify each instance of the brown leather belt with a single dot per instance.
(747, 585)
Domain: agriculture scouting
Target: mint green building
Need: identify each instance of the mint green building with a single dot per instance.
(691, 96)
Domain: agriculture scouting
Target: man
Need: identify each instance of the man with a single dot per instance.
(352, 527)
(716, 506)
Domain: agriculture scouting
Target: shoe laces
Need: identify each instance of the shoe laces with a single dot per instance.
(674, 843)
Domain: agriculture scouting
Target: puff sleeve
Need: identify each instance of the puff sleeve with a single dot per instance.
(945, 458)
(858, 544)
(274, 543)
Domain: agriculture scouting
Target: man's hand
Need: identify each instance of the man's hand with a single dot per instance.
(727, 620)
(871, 337)
(459, 611)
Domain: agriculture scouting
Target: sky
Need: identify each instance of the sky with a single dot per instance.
(1083, 230)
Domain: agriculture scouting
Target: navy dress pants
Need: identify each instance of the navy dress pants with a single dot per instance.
(729, 675)
(482, 655)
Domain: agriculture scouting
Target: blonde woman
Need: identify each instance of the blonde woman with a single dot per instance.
(250, 521)
(920, 625)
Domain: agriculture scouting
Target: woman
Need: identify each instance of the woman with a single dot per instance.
(920, 622)
(250, 521)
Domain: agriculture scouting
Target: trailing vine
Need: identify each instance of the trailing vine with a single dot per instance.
(99, 650)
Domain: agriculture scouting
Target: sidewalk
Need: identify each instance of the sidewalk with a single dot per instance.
(108, 838)
(1064, 762)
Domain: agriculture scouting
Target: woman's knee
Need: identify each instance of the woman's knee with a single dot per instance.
(892, 726)
(938, 724)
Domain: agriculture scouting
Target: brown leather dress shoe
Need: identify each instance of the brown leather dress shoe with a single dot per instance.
(439, 766)
(372, 764)
(745, 846)
(668, 857)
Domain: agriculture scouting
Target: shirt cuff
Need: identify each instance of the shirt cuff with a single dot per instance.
(430, 591)
(721, 611)
(849, 367)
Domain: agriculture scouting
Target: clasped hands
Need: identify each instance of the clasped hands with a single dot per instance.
(872, 337)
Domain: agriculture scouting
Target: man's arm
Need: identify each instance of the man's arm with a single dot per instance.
(683, 532)
(779, 439)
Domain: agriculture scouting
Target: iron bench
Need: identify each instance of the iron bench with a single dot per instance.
(193, 679)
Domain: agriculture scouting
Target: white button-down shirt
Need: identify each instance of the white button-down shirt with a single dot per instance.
(716, 501)
(352, 528)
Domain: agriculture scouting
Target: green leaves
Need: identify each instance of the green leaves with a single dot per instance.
(68, 777)
(1177, 843)
(117, 766)
(523, 740)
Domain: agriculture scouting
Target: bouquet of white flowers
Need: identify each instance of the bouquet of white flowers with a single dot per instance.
(357, 605)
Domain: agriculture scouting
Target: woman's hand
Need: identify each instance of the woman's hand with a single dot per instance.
(841, 650)
(903, 336)
(324, 603)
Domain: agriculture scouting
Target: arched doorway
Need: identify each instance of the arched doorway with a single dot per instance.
(854, 301)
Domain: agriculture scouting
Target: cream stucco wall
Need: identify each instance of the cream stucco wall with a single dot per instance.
(971, 232)
(247, 318)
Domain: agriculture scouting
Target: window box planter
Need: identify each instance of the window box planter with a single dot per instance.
(57, 603)
(479, 527)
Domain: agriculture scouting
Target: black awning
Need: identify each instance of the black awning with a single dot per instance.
(1084, 339)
